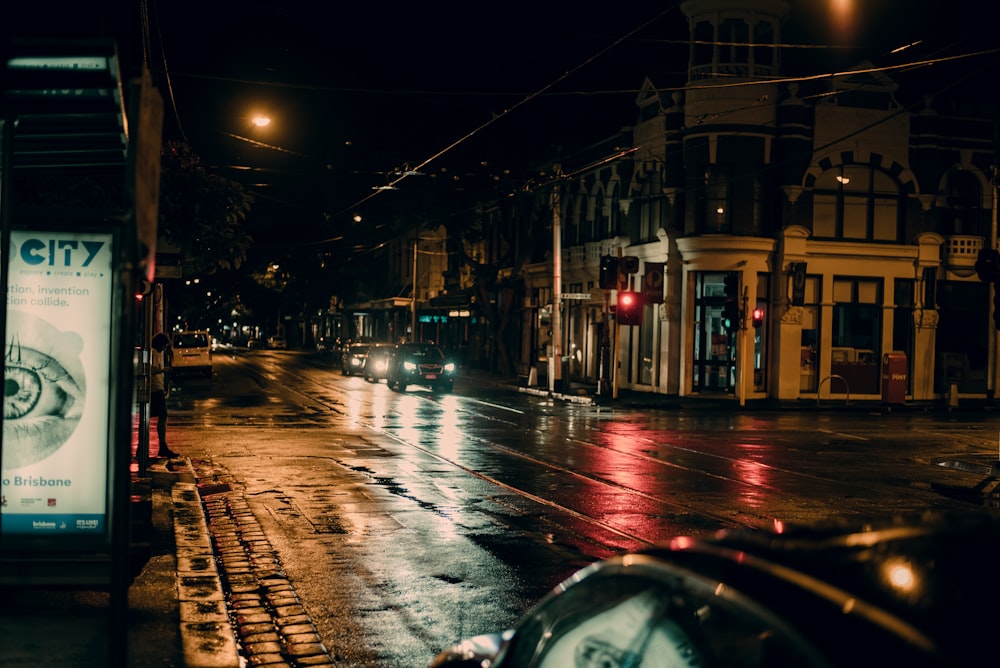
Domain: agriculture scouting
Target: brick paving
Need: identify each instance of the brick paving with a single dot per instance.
(271, 626)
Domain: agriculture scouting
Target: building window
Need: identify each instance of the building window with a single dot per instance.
(964, 198)
(855, 350)
(856, 203)
(650, 207)
(809, 356)
(713, 212)
(734, 38)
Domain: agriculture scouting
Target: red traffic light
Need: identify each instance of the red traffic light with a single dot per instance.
(629, 308)
(758, 317)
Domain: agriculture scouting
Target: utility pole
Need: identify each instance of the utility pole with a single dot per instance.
(555, 358)
(618, 335)
(413, 294)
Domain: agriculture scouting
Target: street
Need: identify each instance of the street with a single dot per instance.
(407, 521)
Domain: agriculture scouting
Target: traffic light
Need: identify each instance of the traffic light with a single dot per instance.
(731, 308)
(629, 308)
(758, 317)
(609, 272)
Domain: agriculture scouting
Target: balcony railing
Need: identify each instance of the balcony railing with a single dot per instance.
(960, 253)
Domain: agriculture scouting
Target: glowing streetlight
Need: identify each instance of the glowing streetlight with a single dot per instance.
(261, 121)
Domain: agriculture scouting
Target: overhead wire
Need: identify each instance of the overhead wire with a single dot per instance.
(547, 91)
(506, 112)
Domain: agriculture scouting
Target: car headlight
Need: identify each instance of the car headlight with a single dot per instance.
(449, 367)
(409, 366)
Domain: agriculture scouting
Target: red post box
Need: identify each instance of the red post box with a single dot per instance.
(894, 378)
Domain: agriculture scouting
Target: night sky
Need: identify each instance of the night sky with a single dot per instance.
(356, 94)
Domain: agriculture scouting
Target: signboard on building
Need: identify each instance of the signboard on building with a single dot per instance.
(58, 359)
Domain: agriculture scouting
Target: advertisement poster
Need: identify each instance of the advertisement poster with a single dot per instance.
(56, 374)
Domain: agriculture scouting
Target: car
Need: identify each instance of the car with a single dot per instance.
(191, 353)
(277, 343)
(910, 590)
(352, 359)
(420, 364)
(377, 362)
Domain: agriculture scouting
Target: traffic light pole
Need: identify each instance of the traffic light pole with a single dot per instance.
(615, 362)
(555, 356)
(741, 348)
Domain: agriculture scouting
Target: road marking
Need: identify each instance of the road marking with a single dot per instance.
(840, 433)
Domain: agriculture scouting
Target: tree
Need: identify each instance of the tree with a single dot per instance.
(202, 214)
(512, 236)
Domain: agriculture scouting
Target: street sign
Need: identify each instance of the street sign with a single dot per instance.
(167, 271)
(574, 295)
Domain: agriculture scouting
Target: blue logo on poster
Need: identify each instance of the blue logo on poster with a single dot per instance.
(60, 252)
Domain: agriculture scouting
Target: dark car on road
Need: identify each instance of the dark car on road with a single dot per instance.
(903, 591)
(353, 358)
(420, 364)
(376, 364)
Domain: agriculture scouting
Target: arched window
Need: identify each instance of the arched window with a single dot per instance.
(856, 203)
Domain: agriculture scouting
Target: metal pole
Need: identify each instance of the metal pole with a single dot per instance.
(741, 346)
(555, 359)
(618, 336)
(413, 295)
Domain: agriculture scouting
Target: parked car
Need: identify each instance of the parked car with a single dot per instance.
(420, 364)
(906, 591)
(277, 343)
(192, 353)
(377, 362)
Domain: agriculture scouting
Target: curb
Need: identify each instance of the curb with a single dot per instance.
(207, 636)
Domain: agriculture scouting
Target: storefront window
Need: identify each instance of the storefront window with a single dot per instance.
(855, 353)
(809, 356)
(647, 357)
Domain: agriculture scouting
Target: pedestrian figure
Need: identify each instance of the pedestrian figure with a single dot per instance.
(159, 366)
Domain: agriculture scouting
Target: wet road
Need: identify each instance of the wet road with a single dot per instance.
(410, 520)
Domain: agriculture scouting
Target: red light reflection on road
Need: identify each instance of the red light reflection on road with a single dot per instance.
(755, 476)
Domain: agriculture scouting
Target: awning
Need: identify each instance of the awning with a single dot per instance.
(65, 98)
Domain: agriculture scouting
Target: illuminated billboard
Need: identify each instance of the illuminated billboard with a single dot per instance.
(57, 361)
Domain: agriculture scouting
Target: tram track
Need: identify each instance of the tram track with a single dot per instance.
(515, 432)
(708, 510)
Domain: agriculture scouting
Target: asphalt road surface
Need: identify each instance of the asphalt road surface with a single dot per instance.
(410, 520)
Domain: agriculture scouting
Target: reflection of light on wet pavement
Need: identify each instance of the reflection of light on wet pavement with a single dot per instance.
(353, 411)
(410, 419)
(450, 424)
(753, 473)
(379, 406)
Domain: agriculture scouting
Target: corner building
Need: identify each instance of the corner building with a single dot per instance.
(849, 222)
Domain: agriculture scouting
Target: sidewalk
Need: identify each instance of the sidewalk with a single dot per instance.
(59, 628)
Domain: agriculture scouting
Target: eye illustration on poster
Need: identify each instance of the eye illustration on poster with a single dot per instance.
(44, 389)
